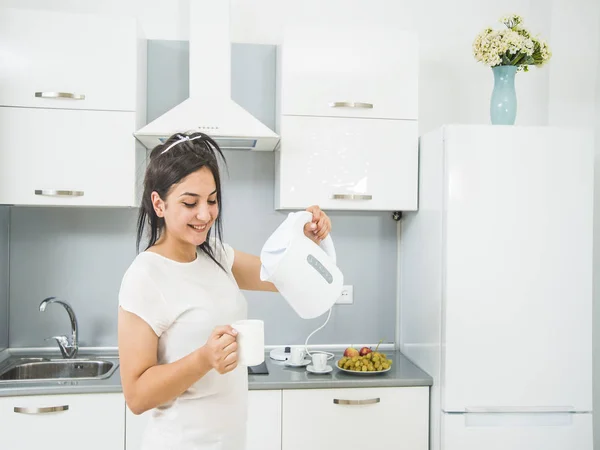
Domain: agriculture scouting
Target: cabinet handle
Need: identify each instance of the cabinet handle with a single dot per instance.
(60, 95)
(351, 197)
(351, 105)
(58, 193)
(369, 401)
(43, 410)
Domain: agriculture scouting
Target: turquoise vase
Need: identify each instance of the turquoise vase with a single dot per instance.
(503, 105)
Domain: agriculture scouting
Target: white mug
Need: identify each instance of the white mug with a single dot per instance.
(297, 355)
(319, 361)
(251, 342)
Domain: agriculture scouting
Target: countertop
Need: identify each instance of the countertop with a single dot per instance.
(403, 373)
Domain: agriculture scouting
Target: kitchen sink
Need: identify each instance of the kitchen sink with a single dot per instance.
(27, 369)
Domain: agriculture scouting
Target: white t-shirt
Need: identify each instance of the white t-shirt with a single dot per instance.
(183, 303)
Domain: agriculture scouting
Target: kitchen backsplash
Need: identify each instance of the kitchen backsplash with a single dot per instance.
(79, 255)
(4, 264)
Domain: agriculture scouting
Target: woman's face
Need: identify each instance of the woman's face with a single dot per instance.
(190, 208)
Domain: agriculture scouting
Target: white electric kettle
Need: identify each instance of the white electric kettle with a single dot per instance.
(304, 273)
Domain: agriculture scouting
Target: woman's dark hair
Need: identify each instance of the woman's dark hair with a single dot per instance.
(170, 162)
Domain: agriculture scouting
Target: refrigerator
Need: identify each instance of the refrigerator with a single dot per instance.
(495, 286)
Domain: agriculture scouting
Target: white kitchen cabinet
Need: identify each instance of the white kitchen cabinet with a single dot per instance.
(344, 71)
(135, 426)
(56, 422)
(324, 419)
(263, 428)
(347, 164)
(93, 60)
(348, 99)
(68, 157)
(264, 420)
(72, 92)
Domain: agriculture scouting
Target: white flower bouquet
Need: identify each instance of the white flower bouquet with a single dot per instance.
(513, 46)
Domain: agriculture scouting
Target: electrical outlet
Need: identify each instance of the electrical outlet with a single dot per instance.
(347, 297)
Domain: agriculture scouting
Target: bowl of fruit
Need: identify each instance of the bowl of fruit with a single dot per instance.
(364, 361)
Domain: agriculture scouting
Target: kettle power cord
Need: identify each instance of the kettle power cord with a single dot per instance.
(329, 355)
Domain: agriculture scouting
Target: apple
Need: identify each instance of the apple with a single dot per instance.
(350, 352)
(364, 351)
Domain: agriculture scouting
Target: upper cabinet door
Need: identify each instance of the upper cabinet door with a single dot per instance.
(67, 158)
(70, 61)
(347, 164)
(349, 72)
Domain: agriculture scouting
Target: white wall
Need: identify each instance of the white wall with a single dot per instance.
(576, 50)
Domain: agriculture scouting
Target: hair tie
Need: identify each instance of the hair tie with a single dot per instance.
(182, 139)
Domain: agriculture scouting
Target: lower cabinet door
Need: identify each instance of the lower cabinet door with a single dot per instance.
(264, 420)
(134, 428)
(58, 422)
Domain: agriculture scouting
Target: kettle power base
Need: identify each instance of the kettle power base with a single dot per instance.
(280, 353)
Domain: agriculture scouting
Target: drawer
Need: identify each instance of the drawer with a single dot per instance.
(355, 418)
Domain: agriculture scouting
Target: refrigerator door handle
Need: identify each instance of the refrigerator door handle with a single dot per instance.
(519, 409)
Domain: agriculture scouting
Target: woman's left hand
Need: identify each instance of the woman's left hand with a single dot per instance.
(319, 228)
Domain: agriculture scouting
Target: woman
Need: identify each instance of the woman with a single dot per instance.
(177, 300)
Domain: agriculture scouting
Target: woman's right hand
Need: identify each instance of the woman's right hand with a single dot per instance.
(220, 349)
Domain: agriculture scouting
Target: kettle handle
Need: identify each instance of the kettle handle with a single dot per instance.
(326, 245)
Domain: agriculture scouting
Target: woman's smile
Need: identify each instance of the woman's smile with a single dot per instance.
(199, 228)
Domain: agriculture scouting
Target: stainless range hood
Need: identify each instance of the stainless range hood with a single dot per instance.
(209, 108)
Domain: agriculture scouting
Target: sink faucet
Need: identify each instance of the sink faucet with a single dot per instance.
(68, 345)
